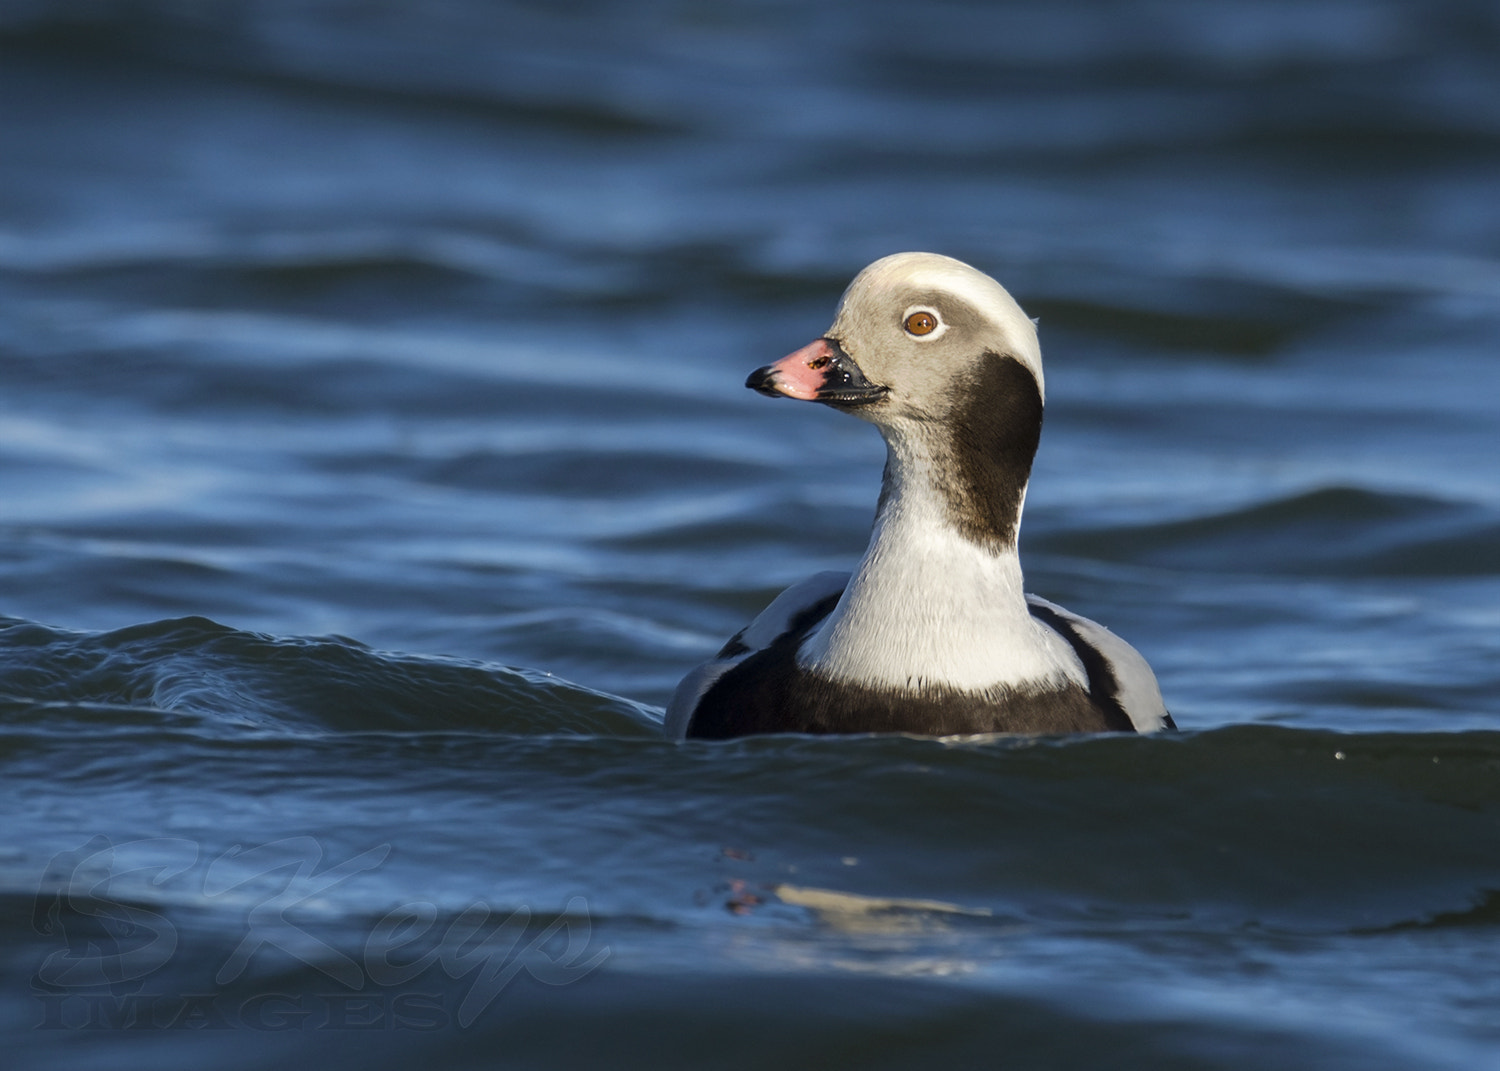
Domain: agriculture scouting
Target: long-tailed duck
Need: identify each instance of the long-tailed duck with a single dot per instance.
(933, 632)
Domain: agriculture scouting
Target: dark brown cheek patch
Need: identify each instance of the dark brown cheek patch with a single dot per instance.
(996, 423)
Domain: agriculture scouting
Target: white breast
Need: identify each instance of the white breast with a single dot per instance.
(928, 607)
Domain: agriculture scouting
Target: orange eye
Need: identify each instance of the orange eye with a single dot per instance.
(921, 323)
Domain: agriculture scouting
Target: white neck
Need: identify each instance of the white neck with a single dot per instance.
(928, 606)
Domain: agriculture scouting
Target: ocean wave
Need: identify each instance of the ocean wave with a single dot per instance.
(193, 667)
(647, 70)
(1330, 531)
(1250, 828)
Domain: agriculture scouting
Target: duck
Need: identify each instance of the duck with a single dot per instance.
(932, 633)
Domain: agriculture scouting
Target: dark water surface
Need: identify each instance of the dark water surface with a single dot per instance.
(374, 460)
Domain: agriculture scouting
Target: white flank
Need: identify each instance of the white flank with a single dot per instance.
(1137, 691)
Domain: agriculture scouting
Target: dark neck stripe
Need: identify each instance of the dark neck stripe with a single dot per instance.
(995, 424)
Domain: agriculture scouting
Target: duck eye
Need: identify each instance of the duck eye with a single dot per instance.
(921, 323)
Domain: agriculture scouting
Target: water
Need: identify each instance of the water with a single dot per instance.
(374, 460)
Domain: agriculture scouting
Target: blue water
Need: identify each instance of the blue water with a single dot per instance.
(374, 460)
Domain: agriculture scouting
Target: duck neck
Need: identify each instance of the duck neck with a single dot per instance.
(938, 599)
